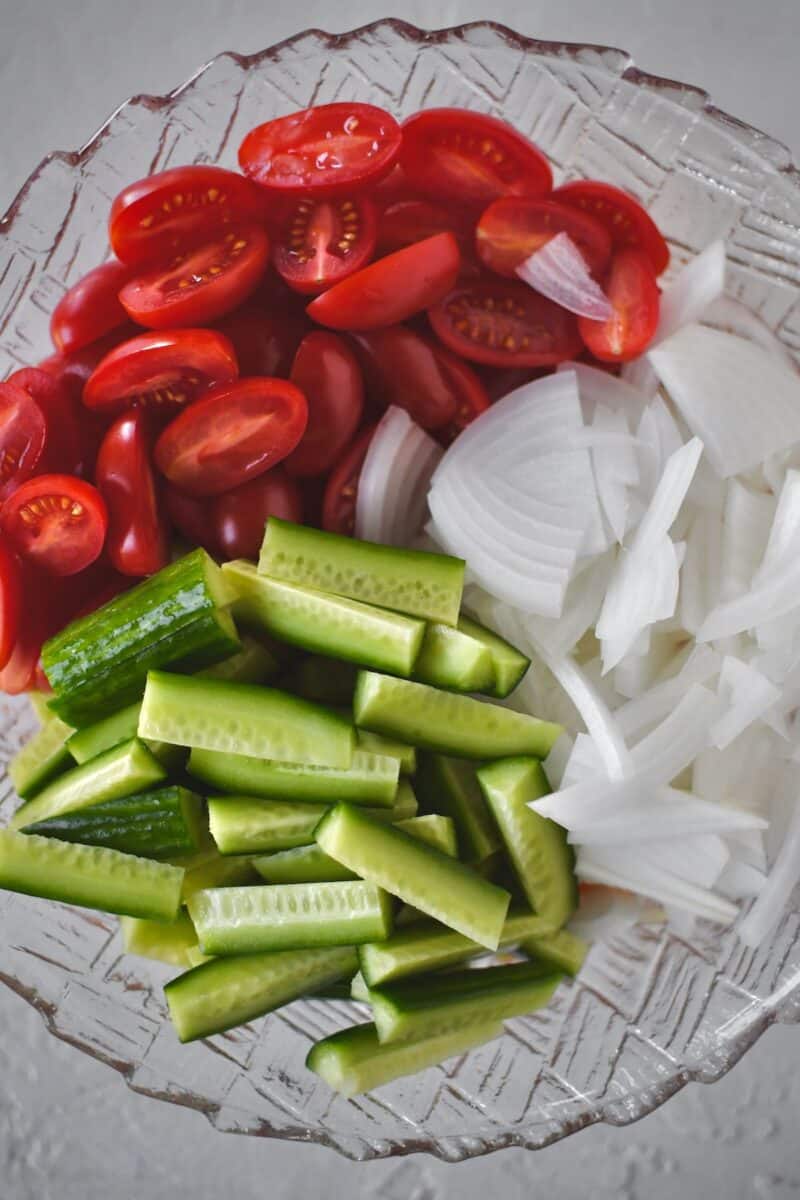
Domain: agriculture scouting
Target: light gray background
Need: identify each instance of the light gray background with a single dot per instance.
(69, 1129)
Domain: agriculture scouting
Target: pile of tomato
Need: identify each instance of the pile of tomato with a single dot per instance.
(231, 360)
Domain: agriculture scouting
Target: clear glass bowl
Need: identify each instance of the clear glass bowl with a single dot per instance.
(650, 1011)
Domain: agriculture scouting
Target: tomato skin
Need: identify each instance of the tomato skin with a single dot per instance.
(321, 242)
(34, 626)
(10, 601)
(158, 369)
(327, 373)
(324, 150)
(628, 223)
(404, 368)
(514, 227)
(240, 515)
(470, 158)
(633, 291)
(56, 522)
(264, 343)
(136, 543)
(163, 215)
(65, 448)
(238, 431)
(200, 286)
(408, 221)
(91, 308)
(23, 434)
(503, 323)
(341, 490)
(471, 396)
(393, 288)
(192, 517)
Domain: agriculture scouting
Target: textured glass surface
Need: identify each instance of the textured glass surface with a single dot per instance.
(650, 1011)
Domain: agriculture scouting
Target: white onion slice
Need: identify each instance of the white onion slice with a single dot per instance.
(699, 860)
(669, 814)
(598, 387)
(616, 870)
(747, 693)
(392, 486)
(653, 705)
(784, 535)
(731, 316)
(746, 522)
(559, 272)
(783, 878)
(741, 881)
(688, 296)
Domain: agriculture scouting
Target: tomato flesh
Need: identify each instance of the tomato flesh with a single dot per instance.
(341, 490)
(239, 516)
(91, 308)
(10, 601)
(515, 227)
(56, 522)
(403, 368)
(323, 241)
(23, 432)
(633, 292)
(136, 543)
(327, 373)
(161, 370)
(624, 218)
(324, 150)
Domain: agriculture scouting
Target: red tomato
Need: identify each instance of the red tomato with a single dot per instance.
(392, 289)
(327, 373)
(265, 343)
(192, 517)
(23, 432)
(10, 601)
(624, 218)
(323, 241)
(471, 395)
(33, 627)
(99, 586)
(326, 150)
(401, 367)
(391, 189)
(91, 308)
(56, 522)
(339, 503)
(156, 218)
(471, 158)
(137, 538)
(408, 221)
(200, 286)
(235, 433)
(241, 514)
(633, 291)
(505, 324)
(500, 383)
(167, 369)
(64, 449)
(515, 227)
(74, 368)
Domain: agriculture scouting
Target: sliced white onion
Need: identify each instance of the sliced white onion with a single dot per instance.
(559, 271)
(639, 374)
(747, 518)
(747, 694)
(642, 590)
(653, 705)
(598, 387)
(616, 870)
(783, 878)
(784, 534)
(615, 466)
(675, 481)
(740, 881)
(700, 573)
(699, 860)
(688, 296)
(392, 486)
(669, 814)
(731, 316)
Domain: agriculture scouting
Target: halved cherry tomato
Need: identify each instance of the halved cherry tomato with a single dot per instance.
(471, 158)
(137, 537)
(199, 286)
(505, 324)
(165, 370)
(91, 308)
(56, 522)
(341, 491)
(633, 291)
(23, 431)
(163, 215)
(64, 448)
(327, 373)
(515, 227)
(403, 368)
(391, 189)
(499, 383)
(265, 343)
(471, 395)
(236, 432)
(241, 514)
(326, 150)
(624, 218)
(192, 517)
(10, 601)
(74, 367)
(409, 221)
(33, 627)
(393, 288)
(320, 242)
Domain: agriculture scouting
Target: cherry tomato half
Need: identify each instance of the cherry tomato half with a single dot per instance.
(265, 343)
(408, 221)
(10, 601)
(200, 286)
(74, 367)
(471, 396)
(33, 626)
(633, 292)
(505, 324)
(192, 517)
(234, 433)
(624, 218)
(64, 448)
(163, 215)
(239, 516)
(327, 373)
(56, 522)
(341, 491)
(515, 227)
(326, 150)
(136, 542)
(323, 241)
(471, 158)
(91, 308)
(404, 368)
(393, 288)
(23, 432)
(165, 370)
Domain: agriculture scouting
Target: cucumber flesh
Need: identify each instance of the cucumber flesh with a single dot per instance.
(450, 786)
(42, 759)
(447, 722)
(122, 771)
(290, 916)
(452, 659)
(248, 825)
(417, 874)
(195, 956)
(169, 943)
(370, 779)
(326, 624)
(242, 718)
(434, 1005)
(218, 871)
(358, 989)
(541, 857)
(91, 876)
(375, 744)
(508, 663)
(563, 950)
(87, 743)
(227, 992)
(408, 581)
(252, 664)
(325, 680)
(40, 703)
(353, 1061)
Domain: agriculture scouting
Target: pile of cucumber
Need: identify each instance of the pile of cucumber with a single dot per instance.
(358, 827)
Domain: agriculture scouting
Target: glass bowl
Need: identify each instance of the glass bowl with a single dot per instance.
(651, 1010)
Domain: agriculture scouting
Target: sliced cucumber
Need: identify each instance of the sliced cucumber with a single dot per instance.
(227, 992)
(242, 718)
(452, 659)
(540, 854)
(354, 1061)
(508, 663)
(195, 956)
(449, 785)
(217, 871)
(40, 703)
(419, 875)
(409, 581)
(169, 943)
(42, 759)
(563, 950)
(375, 744)
(434, 830)
(405, 805)
(121, 726)
(252, 664)
(326, 624)
(325, 680)
(358, 989)
(122, 771)
(447, 722)
(248, 825)
(370, 778)
(91, 876)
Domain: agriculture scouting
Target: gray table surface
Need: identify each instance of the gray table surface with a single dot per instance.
(69, 1129)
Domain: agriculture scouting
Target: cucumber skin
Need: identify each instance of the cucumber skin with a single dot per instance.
(452, 659)
(285, 781)
(449, 786)
(218, 871)
(563, 950)
(253, 663)
(42, 759)
(509, 664)
(375, 744)
(409, 581)
(159, 941)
